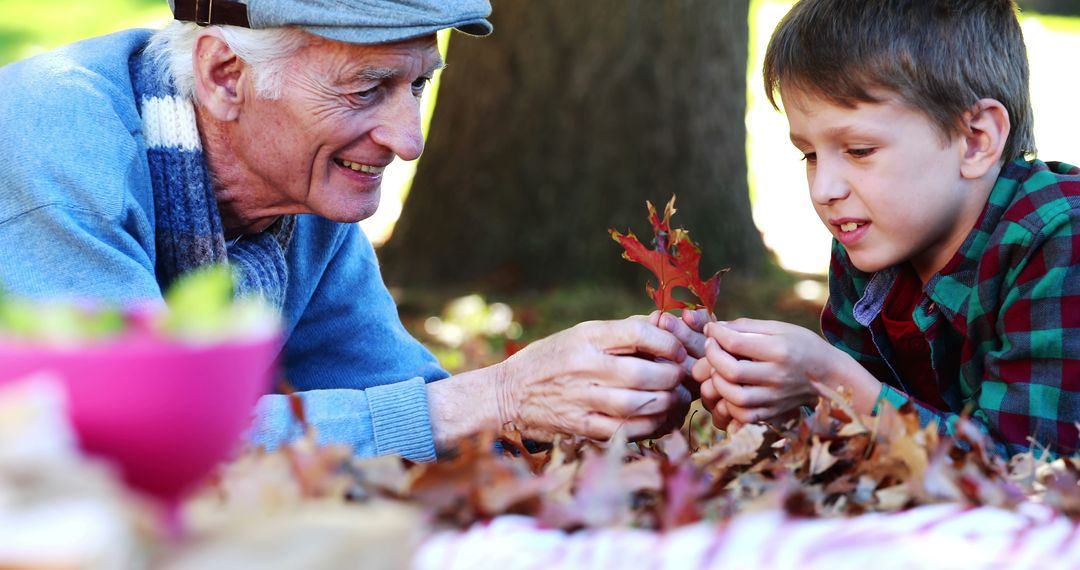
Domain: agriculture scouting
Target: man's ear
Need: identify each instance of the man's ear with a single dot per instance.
(986, 129)
(219, 76)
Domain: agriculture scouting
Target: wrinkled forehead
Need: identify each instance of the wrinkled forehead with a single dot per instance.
(410, 58)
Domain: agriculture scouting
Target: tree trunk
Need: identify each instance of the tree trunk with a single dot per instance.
(561, 124)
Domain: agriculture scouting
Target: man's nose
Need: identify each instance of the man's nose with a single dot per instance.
(398, 127)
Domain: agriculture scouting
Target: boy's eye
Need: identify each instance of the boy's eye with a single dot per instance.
(809, 156)
(861, 152)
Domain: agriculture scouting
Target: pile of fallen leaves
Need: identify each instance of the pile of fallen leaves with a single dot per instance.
(829, 462)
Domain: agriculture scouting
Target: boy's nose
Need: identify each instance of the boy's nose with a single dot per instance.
(826, 185)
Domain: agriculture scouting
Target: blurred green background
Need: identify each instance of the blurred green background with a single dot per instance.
(466, 329)
(28, 27)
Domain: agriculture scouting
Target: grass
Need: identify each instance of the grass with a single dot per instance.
(28, 27)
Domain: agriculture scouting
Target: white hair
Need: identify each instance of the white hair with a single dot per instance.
(265, 51)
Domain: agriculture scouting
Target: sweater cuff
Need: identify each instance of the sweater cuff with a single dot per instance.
(890, 395)
(400, 419)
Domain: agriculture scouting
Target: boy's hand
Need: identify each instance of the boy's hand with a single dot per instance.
(760, 370)
(717, 407)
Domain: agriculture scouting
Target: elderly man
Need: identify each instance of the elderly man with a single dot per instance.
(258, 134)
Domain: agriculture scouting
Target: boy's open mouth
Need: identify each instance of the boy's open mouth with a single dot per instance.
(849, 226)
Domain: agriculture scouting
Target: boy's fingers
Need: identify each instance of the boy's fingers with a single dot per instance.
(747, 344)
(718, 358)
(742, 396)
(757, 326)
(709, 395)
(734, 370)
(702, 370)
(720, 415)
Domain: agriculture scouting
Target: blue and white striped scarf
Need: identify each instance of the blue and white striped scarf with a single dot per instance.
(188, 225)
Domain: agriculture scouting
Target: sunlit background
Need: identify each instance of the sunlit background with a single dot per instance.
(781, 209)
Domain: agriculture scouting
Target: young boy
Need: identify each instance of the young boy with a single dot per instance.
(955, 273)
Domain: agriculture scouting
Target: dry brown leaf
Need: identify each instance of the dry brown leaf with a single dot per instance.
(740, 448)
(820, 458)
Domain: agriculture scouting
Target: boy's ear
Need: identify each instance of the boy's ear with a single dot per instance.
(986, 129)
(219, 74)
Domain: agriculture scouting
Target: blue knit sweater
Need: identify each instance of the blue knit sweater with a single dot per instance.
(77, 219)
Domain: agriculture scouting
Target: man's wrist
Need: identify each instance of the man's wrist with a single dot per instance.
(505, 406)
(466, 404)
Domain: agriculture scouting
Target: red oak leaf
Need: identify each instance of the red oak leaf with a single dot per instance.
(674, 260)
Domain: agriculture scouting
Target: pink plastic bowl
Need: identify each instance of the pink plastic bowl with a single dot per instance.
(166, 413)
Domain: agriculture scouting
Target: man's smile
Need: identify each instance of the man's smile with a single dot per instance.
(356, 166)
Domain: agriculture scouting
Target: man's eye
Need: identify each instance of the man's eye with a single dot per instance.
(809, 156)
(419, 85)
(366, 94)
(861, 152)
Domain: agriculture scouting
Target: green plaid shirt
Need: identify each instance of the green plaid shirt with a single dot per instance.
(1002, 318)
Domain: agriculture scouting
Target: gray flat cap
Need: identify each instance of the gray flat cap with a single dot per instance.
(353, 21)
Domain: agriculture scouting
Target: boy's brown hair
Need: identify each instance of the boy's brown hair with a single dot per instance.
(938, 56)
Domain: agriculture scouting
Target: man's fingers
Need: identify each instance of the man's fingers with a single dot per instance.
(602, 427)
(693, 340)
(692, 387)
(696, 319)
(654, 318)
(632, 336)
(624, 403)
(640, 374)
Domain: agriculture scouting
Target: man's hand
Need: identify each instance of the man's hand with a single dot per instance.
(594, 379)
(688, 330)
